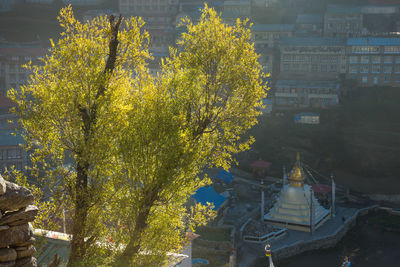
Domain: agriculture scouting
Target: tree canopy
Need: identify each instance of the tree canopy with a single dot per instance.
(130, 147)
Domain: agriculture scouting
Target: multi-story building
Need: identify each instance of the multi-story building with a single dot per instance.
(82, 2)
(239, 8)
(305, 93)
(314, 58)
(268, 35)
(11, 153)
(343, 21)
(12, 74)
(159, 16)
(6, 5)
(149, 7)
(309, 25)
(374, 61)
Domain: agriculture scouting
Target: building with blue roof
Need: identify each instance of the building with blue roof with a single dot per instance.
(373, 60)
(207, 194)
(313, 58)
(343, 21)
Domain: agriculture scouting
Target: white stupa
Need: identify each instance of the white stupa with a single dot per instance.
(293, 207)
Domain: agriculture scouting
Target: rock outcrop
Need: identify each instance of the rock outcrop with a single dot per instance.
(16, 233)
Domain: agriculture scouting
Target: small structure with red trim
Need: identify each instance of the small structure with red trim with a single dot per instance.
(260, 168)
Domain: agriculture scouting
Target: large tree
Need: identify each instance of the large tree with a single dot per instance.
(137, 143)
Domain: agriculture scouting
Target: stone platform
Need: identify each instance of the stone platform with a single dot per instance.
(296, 242)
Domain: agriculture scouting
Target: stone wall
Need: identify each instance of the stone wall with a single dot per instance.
(16, 233)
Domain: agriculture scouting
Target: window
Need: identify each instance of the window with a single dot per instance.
(397, 69)
(365, 49)
(392, 49)
(353, 69)
(296, 67)
(13, 153)
(314, 67)
(1, 154)
(388, 59)
(398, 79)
(364, 59)
(305, 67)
(324, 68)
(332, 68)
(387, 69)
(364, 79)
(287, 57)
(285, 67)
(364, 69)
(397, 59)
(353, 59)
(376, 59)
(386, 79)
(376, 69)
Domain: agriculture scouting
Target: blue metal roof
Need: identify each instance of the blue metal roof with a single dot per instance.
(373, 41)
(343, 9)
(310, 19)
(305, 84)
(272, 27)
(225, 176)
(208, 194)
(312, 41)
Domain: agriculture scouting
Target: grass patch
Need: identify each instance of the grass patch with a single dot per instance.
(214, 234)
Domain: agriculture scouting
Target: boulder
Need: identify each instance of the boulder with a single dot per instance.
(28, 242)
(28, 252)
(7, 264)
(16, 235)
(26, 262)
(2, 186)
(15, 197)
(7, 254)
(19, 217)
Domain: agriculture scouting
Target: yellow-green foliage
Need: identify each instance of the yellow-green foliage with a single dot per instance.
(153, 135)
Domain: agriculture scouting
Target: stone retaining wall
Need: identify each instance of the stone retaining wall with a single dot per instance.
(16, 233)
(324, 242)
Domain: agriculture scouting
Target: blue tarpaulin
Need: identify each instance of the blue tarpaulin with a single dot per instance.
(208, 194)
(225, 176)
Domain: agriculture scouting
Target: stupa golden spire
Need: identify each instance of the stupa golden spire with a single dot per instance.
(296, 178)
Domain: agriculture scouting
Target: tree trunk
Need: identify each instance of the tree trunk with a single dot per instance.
(134, 240)
(78, 247)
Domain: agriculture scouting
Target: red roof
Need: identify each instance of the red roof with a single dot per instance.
(261, 164)
(321, 188)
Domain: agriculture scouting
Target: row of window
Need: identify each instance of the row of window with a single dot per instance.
(313, 58)
(12, 153)
(376, 80)
(322, 91)
(373, 59)
(373, 69)
(310, 67)
(270, 36)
